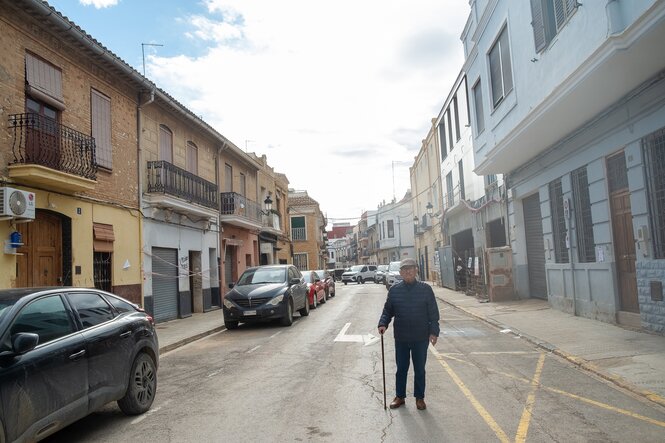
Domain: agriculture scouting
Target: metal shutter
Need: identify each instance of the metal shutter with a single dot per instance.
(538, 23)
(535, 249)
(165, 283)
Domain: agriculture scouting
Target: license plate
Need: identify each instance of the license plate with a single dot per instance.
(249, 313)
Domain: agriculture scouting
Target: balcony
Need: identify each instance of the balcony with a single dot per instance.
(174, 188)
(46, 153)
(271, 223)
(298, 234)
(238, 210)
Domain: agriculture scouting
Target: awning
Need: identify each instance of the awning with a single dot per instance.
(103, 237)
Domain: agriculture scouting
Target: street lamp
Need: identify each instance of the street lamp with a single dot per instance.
(415, 221)
(268, 205)
(429, 208)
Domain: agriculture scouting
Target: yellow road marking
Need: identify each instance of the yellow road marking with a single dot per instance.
(474, 402)
(523, 427)
(565, 393)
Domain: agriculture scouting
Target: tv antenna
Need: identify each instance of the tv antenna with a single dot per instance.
(143, 45)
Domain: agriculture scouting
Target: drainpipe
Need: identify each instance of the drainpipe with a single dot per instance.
(139, 167)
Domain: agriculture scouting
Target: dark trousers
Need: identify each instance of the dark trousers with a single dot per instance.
(404, 353)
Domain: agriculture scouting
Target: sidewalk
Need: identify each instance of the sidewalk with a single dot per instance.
(631, 359)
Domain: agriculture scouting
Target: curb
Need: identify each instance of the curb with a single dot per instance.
(577, 361)
(184, 341)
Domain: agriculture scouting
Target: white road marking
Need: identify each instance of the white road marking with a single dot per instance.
(275, 334)
(253, 349)
(212, 374)
(148, 413)
(367, 339)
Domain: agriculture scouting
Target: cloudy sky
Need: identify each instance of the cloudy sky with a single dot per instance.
(338, 94)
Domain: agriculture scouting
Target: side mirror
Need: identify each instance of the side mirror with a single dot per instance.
(231, 285)
(294, 281)
(24, 342)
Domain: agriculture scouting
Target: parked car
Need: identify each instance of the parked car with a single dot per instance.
(328, 280)
(392, 275)
(316, 289)
(359, 274)
(265, 293)
(380, 275)
(65, 352)
(337, 273)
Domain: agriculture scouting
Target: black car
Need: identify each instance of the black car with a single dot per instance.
(264, 293)
(65, 352)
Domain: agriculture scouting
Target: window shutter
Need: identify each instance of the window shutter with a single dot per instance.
(538, 24)
(101, 128)
(560, 13)
(165, 144)
(44, 81)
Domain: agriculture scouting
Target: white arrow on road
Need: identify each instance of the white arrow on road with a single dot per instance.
(367, 339)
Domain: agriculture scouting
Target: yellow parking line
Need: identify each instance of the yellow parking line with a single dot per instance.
(474, 402)
(523, 427)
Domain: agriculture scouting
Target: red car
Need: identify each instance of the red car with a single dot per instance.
(328, 280)
(316, 292)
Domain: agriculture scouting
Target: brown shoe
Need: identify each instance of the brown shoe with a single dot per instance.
(397, 402)
(420, 404)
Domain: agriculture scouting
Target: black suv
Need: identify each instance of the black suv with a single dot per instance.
(264, 293)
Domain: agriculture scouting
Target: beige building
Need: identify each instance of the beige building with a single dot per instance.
(307, 228)
(426, 204)
(68, 155)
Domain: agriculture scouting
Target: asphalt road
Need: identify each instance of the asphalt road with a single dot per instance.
(321, 380)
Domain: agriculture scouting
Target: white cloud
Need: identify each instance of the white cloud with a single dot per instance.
(331, 92)
(99, 4)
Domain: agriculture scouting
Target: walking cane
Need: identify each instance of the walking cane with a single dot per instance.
(383, 365)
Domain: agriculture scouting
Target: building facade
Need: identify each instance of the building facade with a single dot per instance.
(394, 223)
(307, 228)
(568, 101)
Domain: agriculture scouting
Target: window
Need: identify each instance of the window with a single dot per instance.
(548, 17)
(583, 223)
(450, 129)
(228, 178)
(501, 75)
(120, 305)
(101, 268)
(300, 261)
(558, 222)
(298, 229)
(46, 317)
(165, 144)
(478, 104)
(460, 167)
(391, 229)
(243, 185)
(450, 196)
(100, 118)
(653, 147)
(44, 81)
(458, 136)
(192, 159)
(92, 308)
(442, 140)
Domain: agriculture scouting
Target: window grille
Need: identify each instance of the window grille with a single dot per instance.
(102, 270)
(617, 176)
(300, 261)
(653, 147)
(583, 221)
(558, 222)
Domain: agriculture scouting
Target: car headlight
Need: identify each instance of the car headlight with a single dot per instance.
(275, 301)
(229, 304)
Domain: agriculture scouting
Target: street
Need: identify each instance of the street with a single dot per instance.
(321, 380)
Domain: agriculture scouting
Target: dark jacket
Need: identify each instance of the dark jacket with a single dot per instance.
(415, 311)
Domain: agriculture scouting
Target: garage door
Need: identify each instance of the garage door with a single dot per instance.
(165, 283)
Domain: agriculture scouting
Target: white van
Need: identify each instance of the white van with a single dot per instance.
(359, 274)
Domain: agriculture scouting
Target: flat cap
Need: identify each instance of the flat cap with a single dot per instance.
(407, 262)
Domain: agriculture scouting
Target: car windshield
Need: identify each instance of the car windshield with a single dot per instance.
(262, 275)
(382, 268)
(321, 274)
(356, 268)
(394, 266)
(307, 276)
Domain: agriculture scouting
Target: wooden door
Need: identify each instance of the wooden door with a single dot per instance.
(41, 262)
(624, 249)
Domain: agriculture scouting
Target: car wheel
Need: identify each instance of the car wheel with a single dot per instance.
(231, 324)
(304, 312)
(142, 386)
(360, 280)
(316, 302)
(345, 283)
(287, 320)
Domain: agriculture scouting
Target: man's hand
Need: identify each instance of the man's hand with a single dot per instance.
(382, 329)
(433, 339)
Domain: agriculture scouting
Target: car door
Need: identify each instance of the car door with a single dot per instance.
(298, 291)
(45, 388)
(109, 345)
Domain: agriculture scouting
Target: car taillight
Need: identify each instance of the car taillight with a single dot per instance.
(148, 316)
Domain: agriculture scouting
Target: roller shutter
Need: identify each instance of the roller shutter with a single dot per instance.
(535, 248)
(165, 283)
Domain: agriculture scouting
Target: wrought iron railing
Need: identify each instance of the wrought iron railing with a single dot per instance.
(166, 178)
(233, 203)
(42, 141)
(298, 234)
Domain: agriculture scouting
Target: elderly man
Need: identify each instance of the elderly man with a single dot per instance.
(416, 314)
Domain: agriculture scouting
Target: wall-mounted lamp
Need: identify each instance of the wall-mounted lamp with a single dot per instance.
(415, 222)
(268, 205)
(429, 208)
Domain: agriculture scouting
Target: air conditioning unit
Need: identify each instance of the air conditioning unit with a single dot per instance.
(16, 203)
